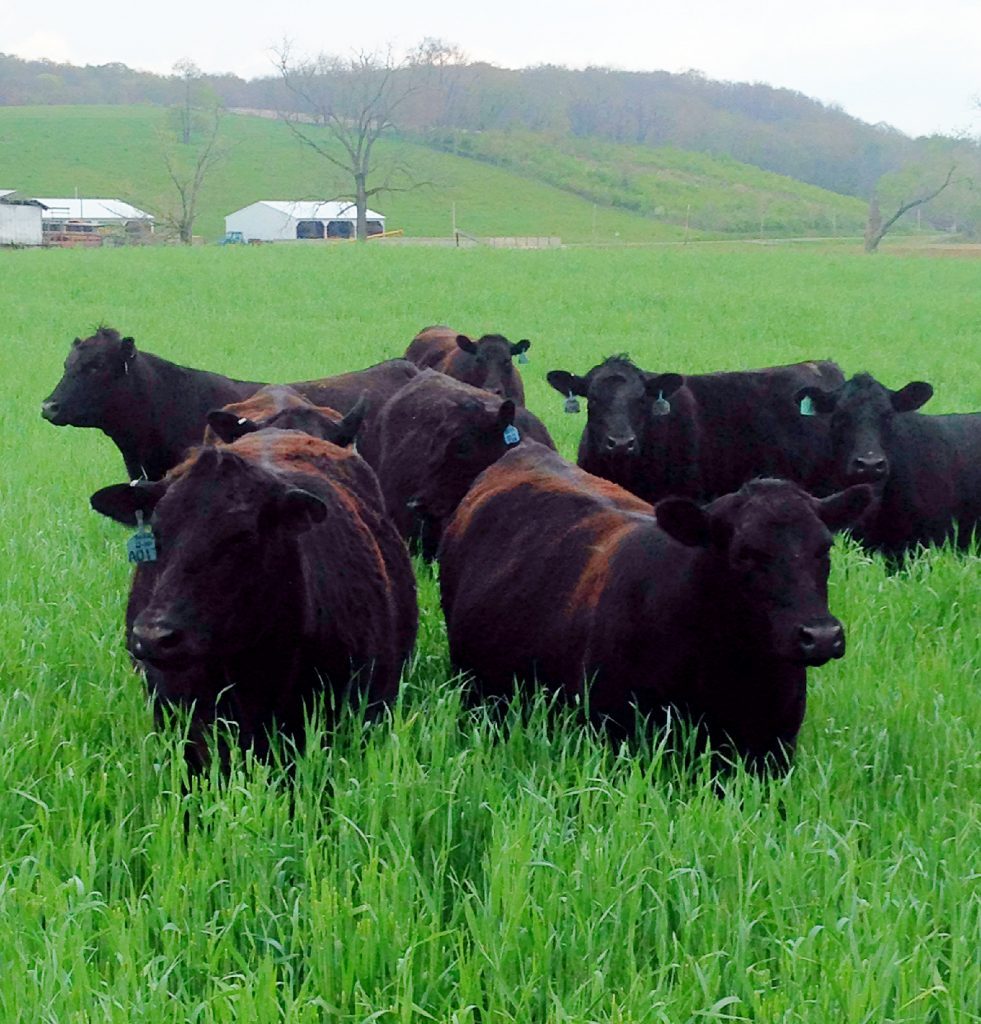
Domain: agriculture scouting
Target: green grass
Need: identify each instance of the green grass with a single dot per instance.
(434, 866)
(580, 191)
(715, 194)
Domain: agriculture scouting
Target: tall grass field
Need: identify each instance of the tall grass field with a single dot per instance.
(439, 865)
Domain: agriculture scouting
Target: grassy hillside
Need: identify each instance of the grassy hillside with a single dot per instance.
(436, 867)
(717, 194)
(540, 186)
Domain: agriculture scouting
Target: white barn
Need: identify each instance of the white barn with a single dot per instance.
(20, 219)
(277, 220)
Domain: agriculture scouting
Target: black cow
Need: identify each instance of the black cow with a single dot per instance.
(434, 437)
(278, 578)
(702, 435)
(485, 363)
(926, 470)
(154, 410)
(554, 576)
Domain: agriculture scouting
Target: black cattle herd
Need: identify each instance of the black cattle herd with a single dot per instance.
(681, 566)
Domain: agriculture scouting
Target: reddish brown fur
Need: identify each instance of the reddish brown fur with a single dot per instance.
(554, 577)
(265, 403)
(298, 607)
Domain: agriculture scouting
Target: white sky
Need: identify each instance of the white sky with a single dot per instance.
(915, 65)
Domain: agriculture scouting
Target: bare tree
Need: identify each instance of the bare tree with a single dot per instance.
(190, 74)
(876, 228)
(343, 106)
(188, 167)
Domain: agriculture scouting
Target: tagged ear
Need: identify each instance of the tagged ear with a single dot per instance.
(842, 509)
(122, 501)
(128, 349)
(466, 344)
(230, 427)
(662, 384)
(566, 383)
(505, 414)
(347, 429)
(521, 346)
(299, 510)
(911, 397)
(684, 521)
(821, 401)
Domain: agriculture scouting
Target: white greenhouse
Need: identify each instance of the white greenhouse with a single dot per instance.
(276, 220)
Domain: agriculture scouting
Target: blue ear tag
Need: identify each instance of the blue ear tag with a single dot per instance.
(571, 404)
(141, 547)
(511, 435)
(522, 358)
(661, 405)
(807, 406)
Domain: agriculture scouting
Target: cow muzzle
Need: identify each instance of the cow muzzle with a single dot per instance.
(620, 445)
(51, 411)
(870, 468)
(820, 641)
(161, 644)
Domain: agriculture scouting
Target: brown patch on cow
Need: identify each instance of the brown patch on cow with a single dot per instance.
(610, 529)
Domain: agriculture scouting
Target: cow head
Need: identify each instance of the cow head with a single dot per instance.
(492, 368)
(619, 397)
(769, 546)
(226, 538)
(96, 386)
(471, 438)
(310, 419)
(862, 413)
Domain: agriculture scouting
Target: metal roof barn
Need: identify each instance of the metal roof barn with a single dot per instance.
(98, 211)
(280, 220)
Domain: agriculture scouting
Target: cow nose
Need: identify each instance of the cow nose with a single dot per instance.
(868, 467)
(818, 642)
(621, 445)
(49, 409)
(157, 641)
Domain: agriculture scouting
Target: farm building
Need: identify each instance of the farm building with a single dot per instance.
(71, 221)
(274, 220)
(20, 219)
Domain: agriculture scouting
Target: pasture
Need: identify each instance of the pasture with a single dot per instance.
(436, 866)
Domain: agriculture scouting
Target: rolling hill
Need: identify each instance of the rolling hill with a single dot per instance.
(498, 183)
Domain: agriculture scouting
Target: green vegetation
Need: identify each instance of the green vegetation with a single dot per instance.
(435, 866)
(716, 194)
(579, 191)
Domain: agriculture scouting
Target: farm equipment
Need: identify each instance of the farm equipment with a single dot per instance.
(233, 238)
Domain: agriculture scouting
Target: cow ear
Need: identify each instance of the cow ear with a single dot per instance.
(684, 521)
(230, 427)
(347, 429)
(505, 414)
(128, 349)
(662, 385)
(520, 346)
(566, 383)
(76, 342)
(466, 344)
(817, 398)
(842, 509)
(298, 510)
(911, 397)
(122, 501)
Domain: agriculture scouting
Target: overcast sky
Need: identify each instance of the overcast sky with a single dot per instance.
(916, 65)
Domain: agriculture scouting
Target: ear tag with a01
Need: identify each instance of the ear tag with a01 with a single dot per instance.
(141, 547)
(511, 435)
(522, 358)
(571, 404)
(661, 406)
(807, 406)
